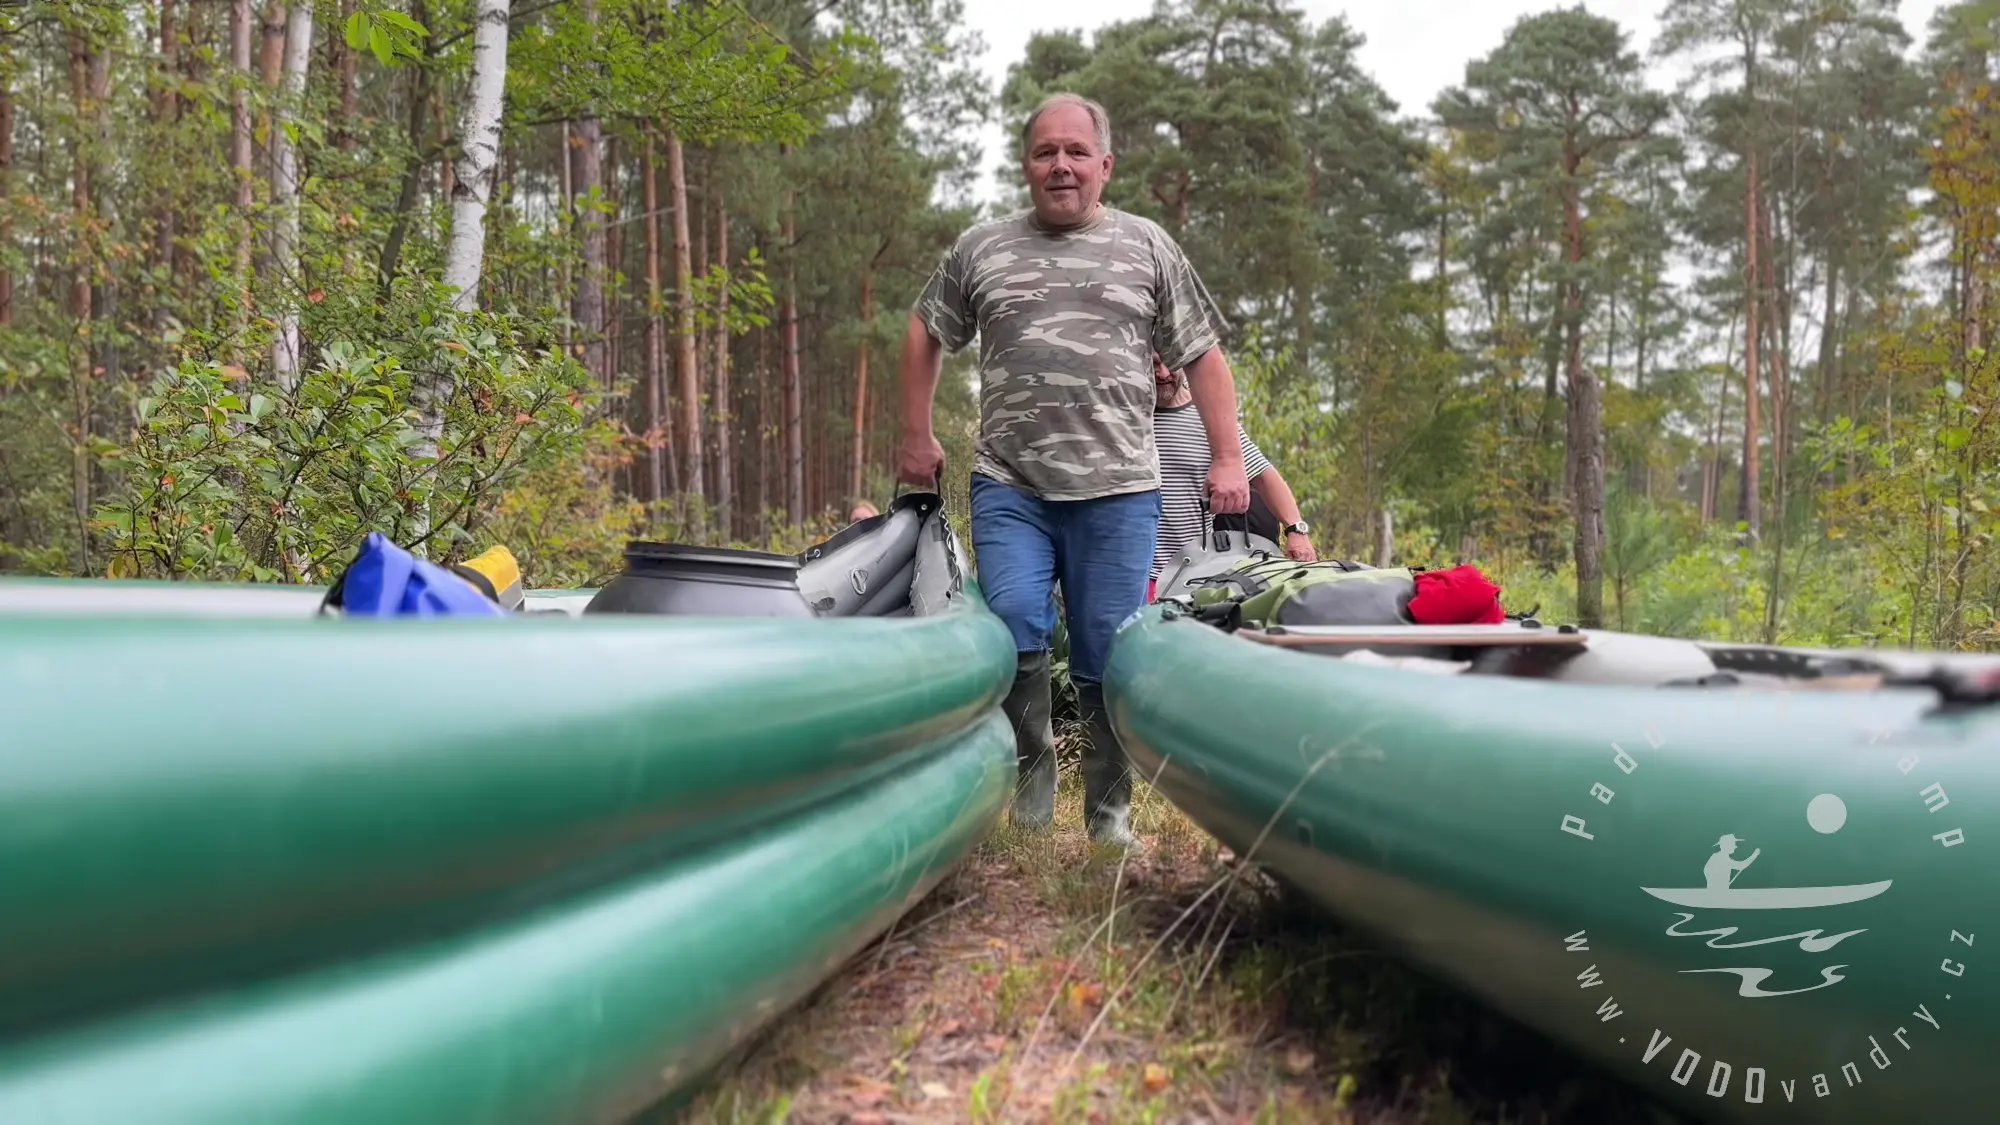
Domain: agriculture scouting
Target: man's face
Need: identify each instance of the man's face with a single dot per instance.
(1166, 384)
(1065, 167)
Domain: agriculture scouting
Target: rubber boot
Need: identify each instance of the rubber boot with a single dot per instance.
(1029, 708)
(1107, 777)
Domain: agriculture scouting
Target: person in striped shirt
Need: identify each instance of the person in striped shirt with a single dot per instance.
(1182, 443)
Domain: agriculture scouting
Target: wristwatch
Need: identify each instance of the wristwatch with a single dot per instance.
(1299, 527)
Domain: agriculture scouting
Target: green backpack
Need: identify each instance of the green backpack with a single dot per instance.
(1269, 591)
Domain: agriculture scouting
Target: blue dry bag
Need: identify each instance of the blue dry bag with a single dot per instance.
(385, 580)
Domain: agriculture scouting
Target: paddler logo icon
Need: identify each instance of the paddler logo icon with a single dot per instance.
(1720, 892)
(1815, 957)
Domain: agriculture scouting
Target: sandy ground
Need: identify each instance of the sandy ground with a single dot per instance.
(1045, 983)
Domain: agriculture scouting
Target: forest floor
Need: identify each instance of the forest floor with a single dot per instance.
(1045, 982)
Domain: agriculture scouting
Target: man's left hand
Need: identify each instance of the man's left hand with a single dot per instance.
(1300, 548)
(1228, 488)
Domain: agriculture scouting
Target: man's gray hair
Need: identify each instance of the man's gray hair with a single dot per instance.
(1099, 119)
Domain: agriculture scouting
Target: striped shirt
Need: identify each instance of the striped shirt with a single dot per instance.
(1184, 465)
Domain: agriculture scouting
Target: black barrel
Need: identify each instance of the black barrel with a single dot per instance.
(688, 580)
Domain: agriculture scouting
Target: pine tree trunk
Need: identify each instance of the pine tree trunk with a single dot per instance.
(725, 465)
(285, 350)
(1586, 418)
(857, 470)
(565, 165)
(587, 180)
(687, 368)
(614, 260)
(1775, 318)
(704, 348)
(655, 478)
(6, 186)
(166, 111)
(271, 64)
(80, 62)
(1748, 509)
(1827, 393)
(241, 152)
(793, 393)
(347, 66)
(763, 425)
(418, 122)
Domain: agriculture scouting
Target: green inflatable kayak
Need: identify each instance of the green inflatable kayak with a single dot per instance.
(523, 868)
(1751, 880)
(588, 1009)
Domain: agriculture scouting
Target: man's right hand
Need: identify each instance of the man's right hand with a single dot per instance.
(1228, 489)
(921, 460)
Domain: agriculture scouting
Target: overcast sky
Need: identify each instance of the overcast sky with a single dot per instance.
(1413, 48)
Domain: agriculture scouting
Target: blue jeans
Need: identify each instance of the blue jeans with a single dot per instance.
(1101, 551)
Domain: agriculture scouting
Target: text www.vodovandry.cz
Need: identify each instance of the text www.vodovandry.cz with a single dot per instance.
(1826, 814)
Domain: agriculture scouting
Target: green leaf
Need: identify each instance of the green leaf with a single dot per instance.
(378, 42)
(397, 19)
(357, 30)
(1954, 437)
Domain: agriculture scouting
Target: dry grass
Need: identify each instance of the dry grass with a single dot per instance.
(1046, 983)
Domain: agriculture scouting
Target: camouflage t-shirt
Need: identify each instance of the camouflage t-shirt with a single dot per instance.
(1068, 322)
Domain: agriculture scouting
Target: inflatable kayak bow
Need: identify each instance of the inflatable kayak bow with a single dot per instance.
(1750, 880)
(517, 869)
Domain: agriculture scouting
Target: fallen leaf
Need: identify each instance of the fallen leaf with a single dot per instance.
(936, 1091)
(950, 1028)
(234, 372)
(994, 1043)
(316, 296)
(1298, 1060)
(524, 419)
(867, 1119)
(1085, 994)
(1156, 1078)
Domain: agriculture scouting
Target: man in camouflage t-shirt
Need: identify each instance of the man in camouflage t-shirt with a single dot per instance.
(1069, 301)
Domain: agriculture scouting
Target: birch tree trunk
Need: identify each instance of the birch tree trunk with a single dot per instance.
(285, 192)
(472, 190)
(479, 148)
